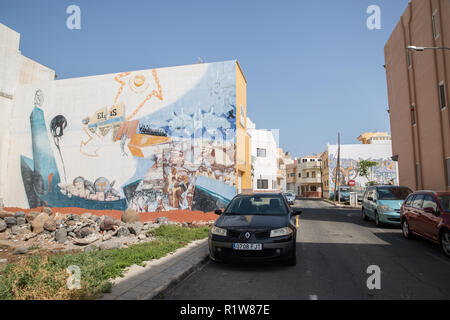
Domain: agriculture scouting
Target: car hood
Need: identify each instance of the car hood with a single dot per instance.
(252, 221)
(394, 204)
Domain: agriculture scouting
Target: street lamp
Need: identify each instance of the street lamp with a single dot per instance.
(416, 48)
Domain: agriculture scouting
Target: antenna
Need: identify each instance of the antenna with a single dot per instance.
(200, 60)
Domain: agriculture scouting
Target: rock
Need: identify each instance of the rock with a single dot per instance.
(10, 221)
(85, 241)
(95, 218)
(5, 214)
(3, 225)
(19, 214)
(60, 216)
(107, 236)
(142, 236)
(130, 216)
(47, 210)
(162, 220)
(86, 215)
(72, 234)
(15, 230)
(73, 217)
(107, 224)
(84, 232)
(3, 260)
(122, 232)
(50, 224)
(38, 223)
(21, 221)
(91, 247)
(61, 235)
(111, 244)
(30, 216)
(22, 250)
(29, 236)
(135, 228)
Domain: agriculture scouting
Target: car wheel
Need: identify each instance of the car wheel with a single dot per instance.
(377, 220)
(405, 229)
(445, 242)
(364, 216)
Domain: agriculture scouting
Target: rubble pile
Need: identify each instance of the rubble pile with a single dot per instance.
(68, 232)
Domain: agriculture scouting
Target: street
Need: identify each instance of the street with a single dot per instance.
(334, 249)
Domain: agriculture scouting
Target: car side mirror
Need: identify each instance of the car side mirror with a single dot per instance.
(218, 211)
(430, 210)
(370, 198)
(296, 212)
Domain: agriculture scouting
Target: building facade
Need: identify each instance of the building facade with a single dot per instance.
(309, 176)
(418, 92)
(265, 159)
(152, 140)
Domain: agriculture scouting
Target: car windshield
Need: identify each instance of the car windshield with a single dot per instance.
(393, 193)
(288, 194)
(257, 204)
(345, 189)
(445, 202)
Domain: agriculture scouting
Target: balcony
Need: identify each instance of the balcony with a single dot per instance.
(310, 180)
(309, 165)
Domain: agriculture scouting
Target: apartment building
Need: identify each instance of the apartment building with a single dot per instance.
(309, 176)
(418, 92)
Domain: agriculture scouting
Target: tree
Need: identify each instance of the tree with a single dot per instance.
(364, 168)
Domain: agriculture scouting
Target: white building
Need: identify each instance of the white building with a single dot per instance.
(264, 153)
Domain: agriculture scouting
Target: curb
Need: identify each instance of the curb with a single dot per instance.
(163, 289)
(162, 275)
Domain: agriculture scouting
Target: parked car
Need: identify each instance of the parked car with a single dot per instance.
(254, 227)
(344, 192)
(427, 214)
(382, 203)
(290, 197)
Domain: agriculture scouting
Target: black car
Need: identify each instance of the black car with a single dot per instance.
(254, 227)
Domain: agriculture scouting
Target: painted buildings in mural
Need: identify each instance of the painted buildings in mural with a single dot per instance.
(375, 146)
(152, 140)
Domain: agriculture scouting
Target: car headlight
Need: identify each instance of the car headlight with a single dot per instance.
(386, 208)
(280, 232)
(219, 231)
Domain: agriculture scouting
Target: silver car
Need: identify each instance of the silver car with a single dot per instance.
(290, 197)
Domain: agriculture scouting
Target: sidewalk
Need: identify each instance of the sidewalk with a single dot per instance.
(145, 283)
(342, 205)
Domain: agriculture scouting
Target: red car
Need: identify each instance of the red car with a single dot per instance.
(427, 214)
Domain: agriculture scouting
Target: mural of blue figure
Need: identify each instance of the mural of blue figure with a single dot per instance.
(41, 177)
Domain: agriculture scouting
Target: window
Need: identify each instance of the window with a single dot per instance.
(408, 58)
(257, 204)
(434, 22)
(448, 171)
(442, 102)
(409, 200)
(419, 179)
(413, 115)
(305, 160)
(262, 184)
(260, 152)
(313, 174)
(417, 202)
(307, 174)
(299, 175)
(313, 188)
(428, 202)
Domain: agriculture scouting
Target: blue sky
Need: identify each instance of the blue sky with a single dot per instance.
(313, 67)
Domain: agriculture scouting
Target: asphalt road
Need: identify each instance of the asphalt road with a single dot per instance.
(335, 247)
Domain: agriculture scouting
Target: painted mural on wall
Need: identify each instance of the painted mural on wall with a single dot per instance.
(384, 173)
(184, 153)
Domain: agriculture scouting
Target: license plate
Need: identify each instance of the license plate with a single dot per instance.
(247, 246)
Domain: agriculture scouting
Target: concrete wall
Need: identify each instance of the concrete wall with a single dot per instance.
(151, 140)
(16, 73)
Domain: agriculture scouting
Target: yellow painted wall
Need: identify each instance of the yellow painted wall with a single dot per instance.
(243, 163)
